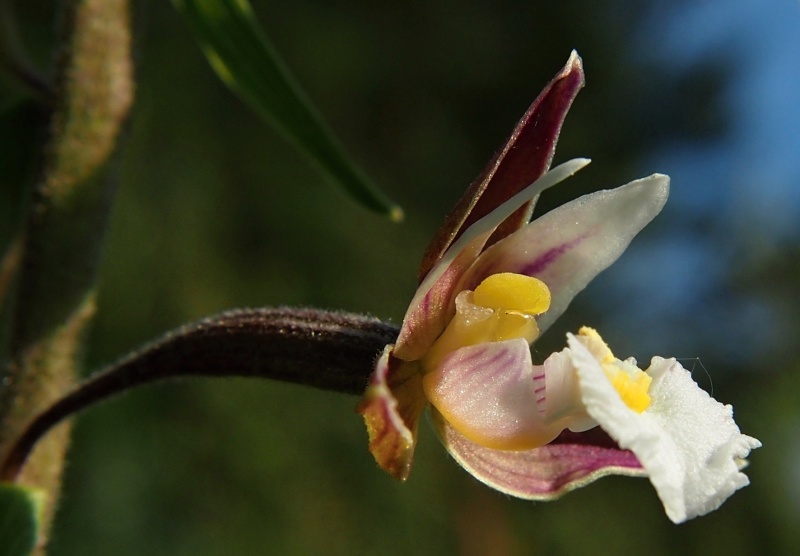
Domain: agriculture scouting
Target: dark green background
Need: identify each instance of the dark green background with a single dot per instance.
(215, 211)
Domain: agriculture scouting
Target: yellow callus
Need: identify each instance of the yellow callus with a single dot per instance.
(630, 382)
(631, 388)
(513, 292)
(502, 307)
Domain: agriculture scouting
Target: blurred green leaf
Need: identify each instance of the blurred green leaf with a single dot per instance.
(20, 511)
(246, 61)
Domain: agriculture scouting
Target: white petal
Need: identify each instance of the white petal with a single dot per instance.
(489, 223)
(567, 247)
(432, 305)
(563, 402)
(687, 442)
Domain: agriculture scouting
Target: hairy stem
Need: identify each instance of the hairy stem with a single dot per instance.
(53, 300)
(324, 349)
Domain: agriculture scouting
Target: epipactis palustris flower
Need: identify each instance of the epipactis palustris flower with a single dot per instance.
(492, 283)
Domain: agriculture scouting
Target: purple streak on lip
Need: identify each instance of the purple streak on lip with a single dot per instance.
(540, 264)
(468, 359)
(496, 358)
(563, 463)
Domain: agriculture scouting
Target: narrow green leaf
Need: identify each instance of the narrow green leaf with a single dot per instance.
(20, 515)
(239, 51)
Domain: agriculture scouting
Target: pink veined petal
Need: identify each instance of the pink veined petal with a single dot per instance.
(391, 407)
(687, 442)
(429, 311)
(571, 461)
(493, 395)
(524, 157)
(567, 247)
(432, 305)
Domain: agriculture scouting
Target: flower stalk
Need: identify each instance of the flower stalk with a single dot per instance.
(333, 351)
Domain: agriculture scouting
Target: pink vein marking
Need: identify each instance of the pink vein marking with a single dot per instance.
(543, 261)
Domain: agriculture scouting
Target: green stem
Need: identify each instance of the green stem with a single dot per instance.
(62, 240)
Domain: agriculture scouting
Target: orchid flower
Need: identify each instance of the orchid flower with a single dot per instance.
(492, 283)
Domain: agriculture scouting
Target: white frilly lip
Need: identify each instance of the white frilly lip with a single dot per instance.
(687, 442)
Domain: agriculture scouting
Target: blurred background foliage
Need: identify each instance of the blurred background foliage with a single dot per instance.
(216, 211)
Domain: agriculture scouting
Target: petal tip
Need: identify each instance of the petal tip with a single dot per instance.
(661, 180)
(575, 62)
(391, 407)
(390, 442)
(573, 67)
